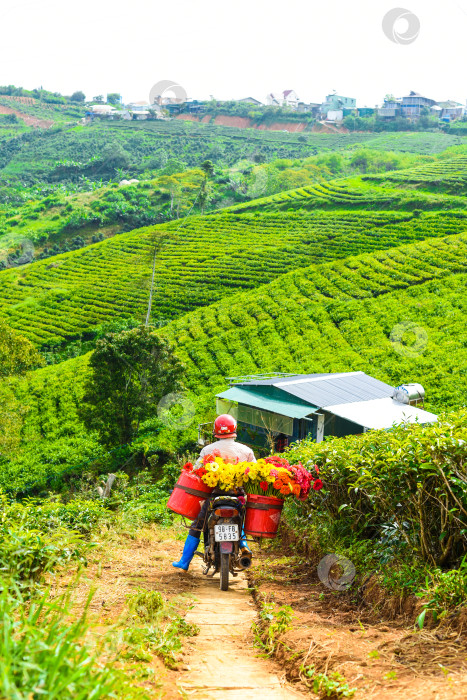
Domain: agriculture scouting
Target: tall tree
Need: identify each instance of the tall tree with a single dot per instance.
(205, 193)
(78, 96)
(17, 354)
(130, 372)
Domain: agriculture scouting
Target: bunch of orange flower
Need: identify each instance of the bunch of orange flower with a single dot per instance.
(272, 476)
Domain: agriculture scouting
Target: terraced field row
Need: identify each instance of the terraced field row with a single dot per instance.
(342, 195)
(325, 195)
(425, 143)
(452, 171)
(207, 259)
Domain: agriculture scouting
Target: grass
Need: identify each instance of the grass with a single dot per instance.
(156, 628)
(56, 640)
(43, 653)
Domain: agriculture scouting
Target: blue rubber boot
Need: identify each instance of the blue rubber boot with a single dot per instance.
(191, 545)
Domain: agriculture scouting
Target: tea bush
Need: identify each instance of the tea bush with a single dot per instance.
(411, 479)
(37, 536)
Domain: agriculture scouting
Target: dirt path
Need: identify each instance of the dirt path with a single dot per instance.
(223, 662)
(382, 659)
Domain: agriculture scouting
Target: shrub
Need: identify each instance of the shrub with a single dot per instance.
(37, 536)
(411, 479)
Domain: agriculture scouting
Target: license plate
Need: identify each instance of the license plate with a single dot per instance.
(226, 533)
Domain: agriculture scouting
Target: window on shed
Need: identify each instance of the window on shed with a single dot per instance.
(265, 419)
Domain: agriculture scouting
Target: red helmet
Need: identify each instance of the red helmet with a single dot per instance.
(225, 426)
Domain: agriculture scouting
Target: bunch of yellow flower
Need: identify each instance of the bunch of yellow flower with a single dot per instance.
(253, 477)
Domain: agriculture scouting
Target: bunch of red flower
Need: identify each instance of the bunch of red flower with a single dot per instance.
(277, 461)
(304, 478)
(199, 471)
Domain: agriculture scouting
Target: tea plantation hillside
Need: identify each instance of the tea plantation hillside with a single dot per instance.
(342, 274)
(206, 259)
(66, 153)
(67, 214)
(398, 315)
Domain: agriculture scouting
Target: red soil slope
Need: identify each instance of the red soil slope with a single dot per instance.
(28, 120)
(245, 123)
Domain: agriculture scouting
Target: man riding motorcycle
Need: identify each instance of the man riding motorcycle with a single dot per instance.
(225, 430)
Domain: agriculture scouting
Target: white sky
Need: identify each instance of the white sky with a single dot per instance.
(233, 49)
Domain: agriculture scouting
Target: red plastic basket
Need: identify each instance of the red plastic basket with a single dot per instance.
(188, 495)
(263, 514)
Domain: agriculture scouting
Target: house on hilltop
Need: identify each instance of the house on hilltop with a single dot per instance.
(450, 110)
(287, 408)
(413, 105)
(102, 111)
(290, 99)
(335, 106)
(286, 98)
(309, 108)
(142, 110)
(391, 108)
(251, 101)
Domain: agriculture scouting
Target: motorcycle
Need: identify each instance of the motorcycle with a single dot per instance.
(223, 534)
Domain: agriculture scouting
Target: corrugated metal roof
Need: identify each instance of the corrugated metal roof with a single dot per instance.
(276, 381)
(381, 413)
(339, 388)
(290, 408)
(329, 389)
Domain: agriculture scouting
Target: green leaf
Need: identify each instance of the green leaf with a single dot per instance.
(421, 619)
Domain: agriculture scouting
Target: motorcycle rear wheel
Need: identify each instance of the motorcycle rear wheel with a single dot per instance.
(224, 579)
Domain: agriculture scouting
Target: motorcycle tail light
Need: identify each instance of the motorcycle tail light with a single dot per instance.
(226, 512)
